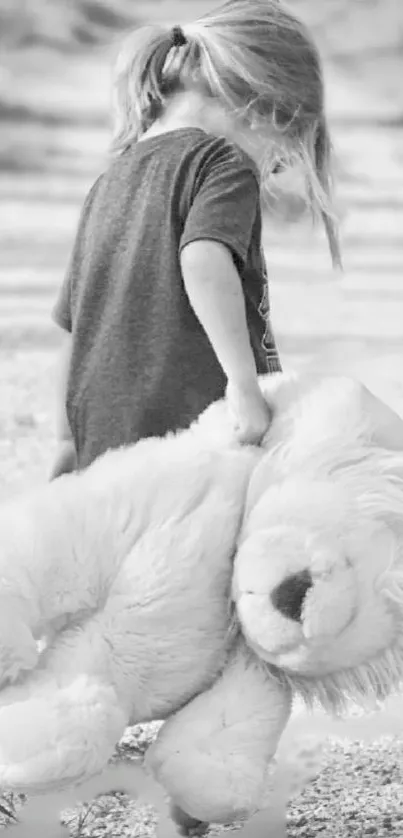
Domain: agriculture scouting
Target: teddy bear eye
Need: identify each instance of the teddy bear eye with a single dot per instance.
(288, 597)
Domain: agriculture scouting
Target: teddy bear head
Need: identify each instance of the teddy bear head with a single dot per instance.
(318, 576)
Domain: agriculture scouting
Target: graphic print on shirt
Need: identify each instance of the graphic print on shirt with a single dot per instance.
(268, 343)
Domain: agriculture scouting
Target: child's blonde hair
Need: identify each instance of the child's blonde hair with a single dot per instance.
(257, 60)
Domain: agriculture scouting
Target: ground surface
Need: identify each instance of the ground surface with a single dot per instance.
(52, 146)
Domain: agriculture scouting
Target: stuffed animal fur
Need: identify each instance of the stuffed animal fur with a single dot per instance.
(197, 581)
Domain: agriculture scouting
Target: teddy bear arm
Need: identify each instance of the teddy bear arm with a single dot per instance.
(213, 756)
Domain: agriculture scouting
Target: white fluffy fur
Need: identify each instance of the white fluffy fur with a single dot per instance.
(127, 570)
(341, 517)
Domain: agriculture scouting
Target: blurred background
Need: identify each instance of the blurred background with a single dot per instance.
(54, 134)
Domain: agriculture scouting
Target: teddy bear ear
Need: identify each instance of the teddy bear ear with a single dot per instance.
(386, 437)
(374, 481)
(389, 583)
(386, 424)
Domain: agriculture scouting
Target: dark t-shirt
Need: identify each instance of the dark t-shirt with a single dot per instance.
(141, 362)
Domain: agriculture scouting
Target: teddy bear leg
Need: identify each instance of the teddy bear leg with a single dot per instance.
(213, 757)
(60, 724)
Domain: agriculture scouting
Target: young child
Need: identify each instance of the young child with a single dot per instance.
(165, 303)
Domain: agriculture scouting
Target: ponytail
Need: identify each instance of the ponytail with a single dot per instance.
(315, 151)
(308, 150)
(323, 153)
(140, 86)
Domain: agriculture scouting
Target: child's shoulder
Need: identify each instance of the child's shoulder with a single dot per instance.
(215, 149)
(223, 147)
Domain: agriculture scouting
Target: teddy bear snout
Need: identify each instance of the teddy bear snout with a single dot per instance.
(288, 597)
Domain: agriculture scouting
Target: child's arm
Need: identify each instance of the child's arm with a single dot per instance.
(215, 292)
(66, 459)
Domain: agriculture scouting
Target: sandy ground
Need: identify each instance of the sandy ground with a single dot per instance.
(350, 323)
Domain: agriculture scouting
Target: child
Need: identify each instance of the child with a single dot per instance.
(165, 302)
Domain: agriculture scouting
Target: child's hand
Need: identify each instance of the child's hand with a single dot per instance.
(65, 461)
(250, 412)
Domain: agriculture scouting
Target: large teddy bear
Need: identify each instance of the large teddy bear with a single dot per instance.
(195, 580)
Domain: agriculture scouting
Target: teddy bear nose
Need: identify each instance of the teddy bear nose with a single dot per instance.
(288, 597)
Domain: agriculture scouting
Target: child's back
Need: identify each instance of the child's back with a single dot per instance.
(142, 364)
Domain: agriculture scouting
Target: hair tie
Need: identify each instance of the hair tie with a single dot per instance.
(179, 38)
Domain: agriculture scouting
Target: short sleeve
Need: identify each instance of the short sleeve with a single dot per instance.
(225, 202)
(61, 311)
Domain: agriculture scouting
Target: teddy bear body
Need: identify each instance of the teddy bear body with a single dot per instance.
(127, 570)
(124, 645)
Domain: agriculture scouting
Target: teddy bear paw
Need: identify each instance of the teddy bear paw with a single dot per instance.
(186, 825)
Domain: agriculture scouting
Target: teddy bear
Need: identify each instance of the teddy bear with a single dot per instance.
(197, 581)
